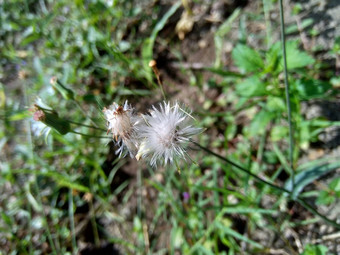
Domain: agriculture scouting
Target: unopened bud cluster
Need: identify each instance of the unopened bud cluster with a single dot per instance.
(160, 136)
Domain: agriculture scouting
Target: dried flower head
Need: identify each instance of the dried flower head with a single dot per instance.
(121, 122)
(165, 133)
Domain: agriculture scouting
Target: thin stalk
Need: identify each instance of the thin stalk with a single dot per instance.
(153, 65)
(30, 249)
(240, 168)
(84, 125)
(94, 136)
(35, 181)
(266, 5)
(94, 224)
(84, 113)
(289, 112)
(315, 212)
(299, 199)
(71, 216)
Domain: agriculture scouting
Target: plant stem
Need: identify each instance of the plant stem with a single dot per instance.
(266, 7)
(289, 112)
(71, 215)
(95, 136)
(240, 168)
(83, 112)
(84, 125)
(315, 212)
(35, 181)
(298, 199)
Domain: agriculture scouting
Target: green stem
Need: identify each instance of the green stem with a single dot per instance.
(291, 142)
(84, 113)
(71, 215)
(299, 199)
(240, 168)
(266, 7)
(35, 181)
(315, 212)
(94, 224)
(84, 125)
(94, 136)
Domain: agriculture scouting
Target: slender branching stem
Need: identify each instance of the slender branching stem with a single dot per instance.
(72, 226)
(84, 125)
(84, 112)
(153, 65)
(315, 212)
(241, 168)
(289, 112)
(259, 179)
(94, 136)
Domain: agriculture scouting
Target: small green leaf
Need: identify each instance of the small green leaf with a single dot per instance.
(251, 87)
(325, 198)
(295, 57)
(147, 48)
(304, 24)
(276, 104)
(20, 115)
(273, 59)
(278, 132)
(6, 219)
(335, 184)
(221, 33)
(309, 89)
(247, 59)
(305, 177)
(260, 122)
(315, 250)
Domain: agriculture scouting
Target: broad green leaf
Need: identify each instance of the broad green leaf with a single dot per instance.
(247, 59)
(306, 177)
(251, 87)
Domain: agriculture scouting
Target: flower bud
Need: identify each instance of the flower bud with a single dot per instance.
(65, 92)
(51, 119)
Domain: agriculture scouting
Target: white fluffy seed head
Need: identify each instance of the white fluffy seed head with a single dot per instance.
(165, 133)
(121, 121)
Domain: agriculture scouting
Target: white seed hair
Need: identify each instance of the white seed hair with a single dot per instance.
(121, 121)
(165, 133)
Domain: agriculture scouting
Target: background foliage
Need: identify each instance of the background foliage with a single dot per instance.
(68, 193)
